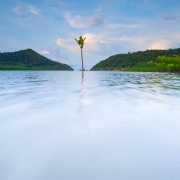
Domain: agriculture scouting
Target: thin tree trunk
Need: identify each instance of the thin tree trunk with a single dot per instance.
(82, 65)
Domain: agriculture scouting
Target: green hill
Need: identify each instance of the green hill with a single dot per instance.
(29, 60)
(136, 61)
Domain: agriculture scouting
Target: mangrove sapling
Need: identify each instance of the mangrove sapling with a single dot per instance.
(81, 44)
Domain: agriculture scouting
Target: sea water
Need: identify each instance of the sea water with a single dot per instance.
(110, 126)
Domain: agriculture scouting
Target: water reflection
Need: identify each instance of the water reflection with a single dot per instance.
(111, 125)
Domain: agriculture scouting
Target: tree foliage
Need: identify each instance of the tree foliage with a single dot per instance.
(80, 41)
(166, 64)
(29, 60)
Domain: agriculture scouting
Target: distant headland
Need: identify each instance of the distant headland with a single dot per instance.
(29, 60)
(136, 61)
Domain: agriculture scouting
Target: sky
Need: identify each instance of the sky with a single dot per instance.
(110, 27)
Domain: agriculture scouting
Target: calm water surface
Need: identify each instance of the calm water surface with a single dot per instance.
(111, 126)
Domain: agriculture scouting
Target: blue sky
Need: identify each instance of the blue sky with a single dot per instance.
(110, 27)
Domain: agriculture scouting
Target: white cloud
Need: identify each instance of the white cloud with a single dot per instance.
(18, 10)
(55, 55)
(83, 22)
(76, 22)
(152, 41)
(33, 10)
(96, 19)
(95, 43)
(44, 52)
(67, 43)
(23, 8)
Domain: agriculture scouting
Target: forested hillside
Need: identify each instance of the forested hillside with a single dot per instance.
(136, 61)
(29, 60)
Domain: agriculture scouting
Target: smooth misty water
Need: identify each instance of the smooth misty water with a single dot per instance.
(112, 126)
